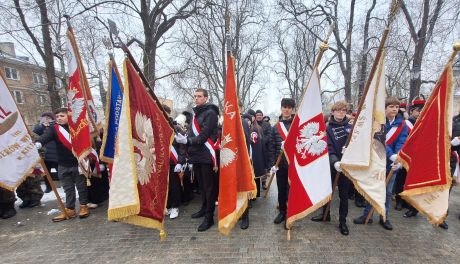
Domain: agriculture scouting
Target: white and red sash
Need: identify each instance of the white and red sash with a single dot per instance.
(282, 130)
(394, 133)
(209, 144)
(173, 155)
(410, 126)
(64, 137)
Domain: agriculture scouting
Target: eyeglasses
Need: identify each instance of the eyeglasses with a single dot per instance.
(341, 110)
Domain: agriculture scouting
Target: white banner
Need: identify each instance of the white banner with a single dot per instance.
(364, 160)
(18, 154)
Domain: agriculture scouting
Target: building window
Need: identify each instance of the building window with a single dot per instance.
(19, 97)
(11, 73)
(41, 99)
(38, 78)
(63, 101)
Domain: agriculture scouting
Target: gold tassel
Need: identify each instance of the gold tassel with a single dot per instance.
(289, 235)
(163, 235)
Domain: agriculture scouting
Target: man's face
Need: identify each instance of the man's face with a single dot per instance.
(339, 114)
(200, 99)
(259, 117)
(286, 111)
(61, 118)
(391, 111)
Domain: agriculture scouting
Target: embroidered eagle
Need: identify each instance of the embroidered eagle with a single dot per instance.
(144, 150)
(310, 140)
(76, 105)
(227, 155)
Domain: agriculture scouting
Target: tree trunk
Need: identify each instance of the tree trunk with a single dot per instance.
(49, 56)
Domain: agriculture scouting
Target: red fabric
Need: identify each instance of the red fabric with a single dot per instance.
(427, 150)
(153, 194)
(298, 200)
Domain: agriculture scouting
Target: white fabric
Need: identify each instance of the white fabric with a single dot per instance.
(315, 176)
(274, 169)
(364, 160)
(434, 204)
(181, 139)
(337, 166)
(455, 142)
(18, 154)
(177, 168)
(123, 185)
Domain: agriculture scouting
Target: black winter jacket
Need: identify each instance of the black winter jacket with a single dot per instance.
(275, 144)
(50, 147)
(206, 116)
(337, 135)
(266, 138)
(65, 157)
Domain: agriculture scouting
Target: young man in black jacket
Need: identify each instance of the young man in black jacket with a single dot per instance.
(337, 130)
(67, 168)
(200, 140)
(279, 134)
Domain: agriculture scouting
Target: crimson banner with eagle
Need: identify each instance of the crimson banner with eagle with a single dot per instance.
(139, 184)
(305, 149)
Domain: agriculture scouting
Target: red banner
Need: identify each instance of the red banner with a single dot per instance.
(151, 137)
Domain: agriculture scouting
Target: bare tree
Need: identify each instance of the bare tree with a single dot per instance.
(203, 50)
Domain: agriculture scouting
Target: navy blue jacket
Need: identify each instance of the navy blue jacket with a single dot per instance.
(337, 136)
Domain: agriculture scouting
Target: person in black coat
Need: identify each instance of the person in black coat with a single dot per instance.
(338, 129)
(47, 120)
(279, 134)
(202, 155)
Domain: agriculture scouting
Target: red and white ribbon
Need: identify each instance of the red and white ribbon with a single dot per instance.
(282, 130)
(209, 144)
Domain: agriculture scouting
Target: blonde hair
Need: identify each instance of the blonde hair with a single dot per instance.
(339, 106)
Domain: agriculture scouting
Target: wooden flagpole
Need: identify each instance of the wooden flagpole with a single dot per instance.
(394, 7)
(53, 186)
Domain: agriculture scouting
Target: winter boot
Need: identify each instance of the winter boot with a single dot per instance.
(61, 217)
(84, 211)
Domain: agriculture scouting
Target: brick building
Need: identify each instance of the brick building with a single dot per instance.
(27, 84)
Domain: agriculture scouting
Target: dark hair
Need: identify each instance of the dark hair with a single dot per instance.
(204, 91)
(48, 114)
(166, 108)
(258, 111)
(61, 110)
(251, 112)
(288, 102)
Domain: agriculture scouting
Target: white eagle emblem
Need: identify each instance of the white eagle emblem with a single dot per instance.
(144, 151)
(310, 140)
(76, 105)
(227, 155)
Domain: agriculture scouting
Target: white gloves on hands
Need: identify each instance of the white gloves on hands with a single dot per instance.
(101, 167)
(455, 142)
(38, 145)
(181, 139)
(178, 168)
(274, 169)
(282, 144)
(393, 157)
(337, 166)
(343, 149)
(396, 166)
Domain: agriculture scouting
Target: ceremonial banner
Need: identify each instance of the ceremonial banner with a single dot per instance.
(78, 122)
(426, 153)
(236, 180)
(364, 160)
(139, 185)
(305, 149)
(18, 155)
(112, 113)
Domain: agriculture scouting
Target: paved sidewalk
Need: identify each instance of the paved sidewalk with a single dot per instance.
(31, 237)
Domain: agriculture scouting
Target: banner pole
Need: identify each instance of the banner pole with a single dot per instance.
(369, 215)
(53, 186)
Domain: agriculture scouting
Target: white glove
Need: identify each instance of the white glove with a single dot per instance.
(274, 169)
(343, 149)
(396, 166)
(337, 166)
(38, 145)
(178, 168)
(181, 139)
(282, 144)
(455, 142)
(101, 167)
(393, 157)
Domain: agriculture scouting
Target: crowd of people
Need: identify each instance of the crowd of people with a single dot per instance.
(194, 162)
